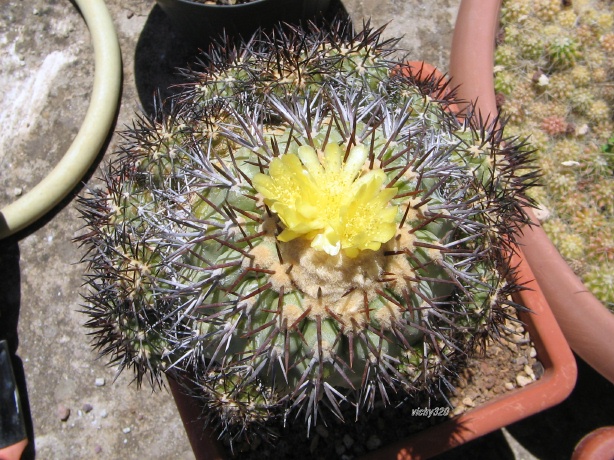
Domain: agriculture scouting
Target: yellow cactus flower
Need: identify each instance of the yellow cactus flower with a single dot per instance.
(327, 200)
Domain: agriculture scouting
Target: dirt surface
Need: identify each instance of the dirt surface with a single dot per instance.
(76, 408)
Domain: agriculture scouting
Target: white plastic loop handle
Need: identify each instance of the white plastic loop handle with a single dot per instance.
(89, 140)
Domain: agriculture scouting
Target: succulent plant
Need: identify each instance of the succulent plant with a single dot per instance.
(546, 10)
(554, 125)
(562, 52)
(601, 282)
(567, 55)
(304, 226)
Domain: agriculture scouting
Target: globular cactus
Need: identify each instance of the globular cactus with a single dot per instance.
(305, 226)
(504, 82)
(554, 125)
(562, 52)
(600, 281)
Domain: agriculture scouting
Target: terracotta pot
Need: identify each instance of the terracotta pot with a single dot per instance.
(553, 352)
(597, 445)
(202, 440)
(201, 22)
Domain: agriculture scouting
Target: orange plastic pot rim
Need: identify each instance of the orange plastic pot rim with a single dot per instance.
(552, 388)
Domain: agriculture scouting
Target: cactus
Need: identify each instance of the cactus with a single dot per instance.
(504, 82)
(600, 281)
(563, 52)
(546, 10)
(581, 75)
(304, 227)
(554, 125)
(599, 111)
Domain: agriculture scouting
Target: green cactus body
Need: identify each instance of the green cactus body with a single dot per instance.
(563, 52)
(306, 227)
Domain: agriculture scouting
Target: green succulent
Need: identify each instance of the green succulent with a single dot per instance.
(563, 52)
(600, 281)
(305, 226)
(567, 56)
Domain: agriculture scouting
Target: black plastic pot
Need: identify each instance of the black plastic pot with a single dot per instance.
(200, 22)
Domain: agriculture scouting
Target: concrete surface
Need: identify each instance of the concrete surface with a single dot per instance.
(46, 71)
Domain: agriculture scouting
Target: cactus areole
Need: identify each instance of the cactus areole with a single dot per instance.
(301, 228)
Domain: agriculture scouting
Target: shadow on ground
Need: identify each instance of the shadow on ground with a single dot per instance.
(10, 303)
(161, 51)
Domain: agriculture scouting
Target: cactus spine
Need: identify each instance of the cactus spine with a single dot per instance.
(304, 226)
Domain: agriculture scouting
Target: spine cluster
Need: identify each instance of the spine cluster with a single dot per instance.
(303, 227)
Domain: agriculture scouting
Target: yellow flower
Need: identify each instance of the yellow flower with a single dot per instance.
(328, 201)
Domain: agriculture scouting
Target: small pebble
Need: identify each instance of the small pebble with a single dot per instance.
(17, 191)
(87, 408)
(104, 413)
(538, 369)
(98, 449)
(523, 380)
(63, 412)
(532, 352)
(542, 213)
(99, 382)
(509, 386)
(489, 382)
(126, 430)
(468, 402)
(529, 371)
(543, 80)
